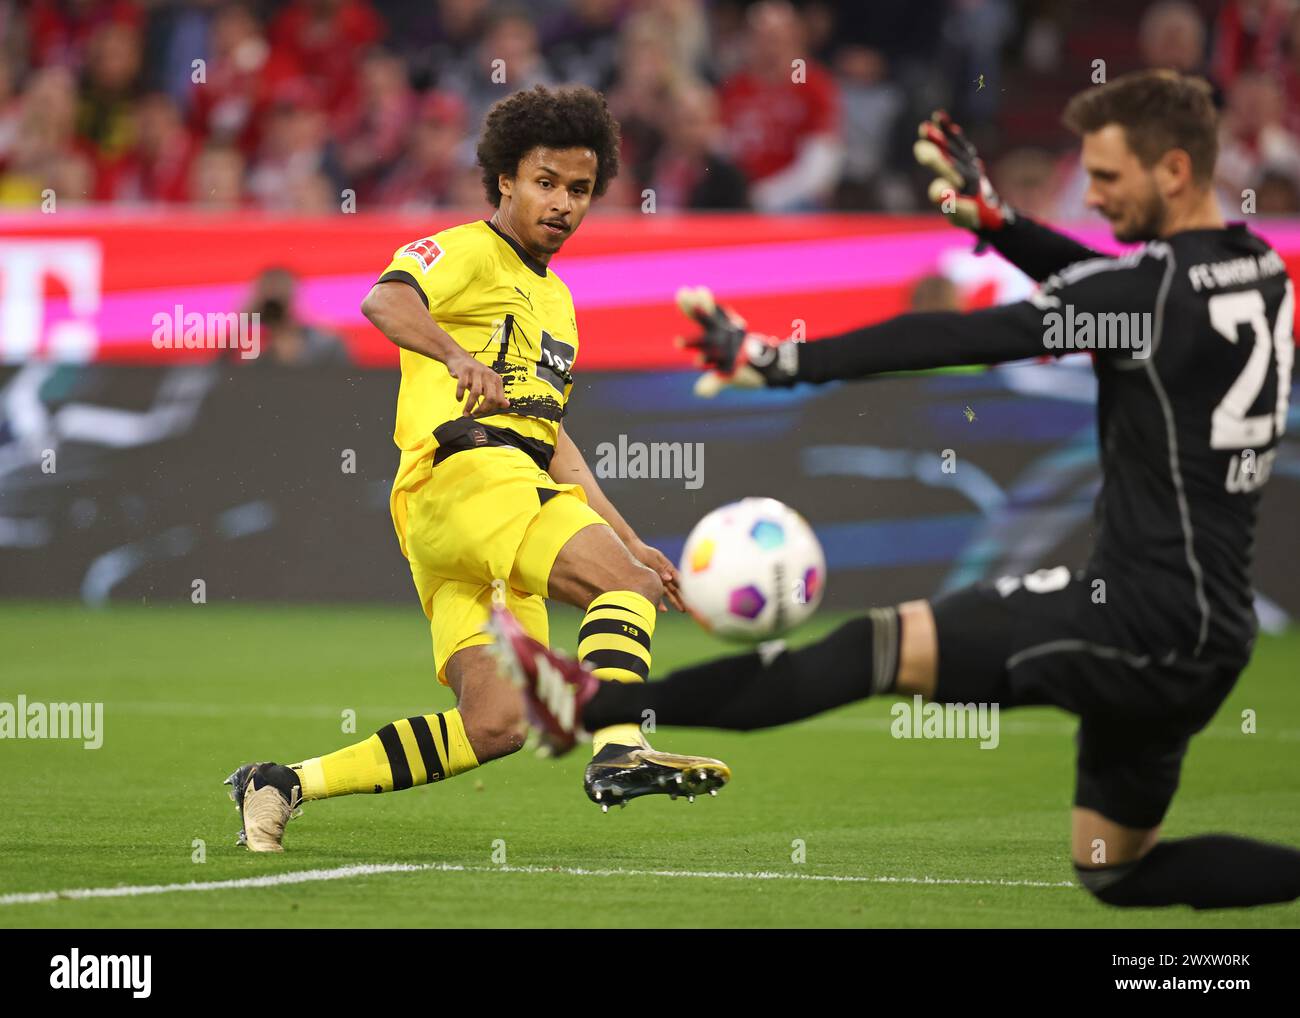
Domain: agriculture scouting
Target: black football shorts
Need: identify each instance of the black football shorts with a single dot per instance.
(1047, 638)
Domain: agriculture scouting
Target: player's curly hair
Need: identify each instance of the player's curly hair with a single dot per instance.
(564, 118)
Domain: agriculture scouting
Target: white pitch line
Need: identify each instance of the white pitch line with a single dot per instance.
(373, 869)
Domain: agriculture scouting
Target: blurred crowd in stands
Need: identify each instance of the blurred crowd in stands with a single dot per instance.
(295, 105)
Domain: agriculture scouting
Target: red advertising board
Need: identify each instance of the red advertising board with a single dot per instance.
(87, 285)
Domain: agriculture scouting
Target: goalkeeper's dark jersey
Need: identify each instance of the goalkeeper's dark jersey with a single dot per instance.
(1187, 432)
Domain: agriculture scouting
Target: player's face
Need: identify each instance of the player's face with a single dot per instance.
(549, 196)
(1120, 187)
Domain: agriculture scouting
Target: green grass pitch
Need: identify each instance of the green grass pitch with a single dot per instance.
(190, 692)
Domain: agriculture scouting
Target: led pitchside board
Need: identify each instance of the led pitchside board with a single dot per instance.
(89, 286)
(125, 483)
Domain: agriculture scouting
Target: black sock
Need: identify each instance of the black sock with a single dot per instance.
(744, 692)
(1210, 871)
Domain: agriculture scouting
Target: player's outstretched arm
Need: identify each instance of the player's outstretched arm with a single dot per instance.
(734, 356)
(395, 309)
(962, 191)
(739, 358)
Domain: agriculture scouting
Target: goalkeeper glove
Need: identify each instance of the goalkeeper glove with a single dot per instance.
(733, 355)
(962, 190)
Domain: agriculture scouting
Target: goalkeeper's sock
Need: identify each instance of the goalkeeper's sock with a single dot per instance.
(409, 752)
(614, 642)
(758, 690)
(1210, 871)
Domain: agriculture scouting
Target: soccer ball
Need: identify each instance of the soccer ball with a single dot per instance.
(752, 570)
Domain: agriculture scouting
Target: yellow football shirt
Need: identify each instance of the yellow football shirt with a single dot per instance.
(508, 311)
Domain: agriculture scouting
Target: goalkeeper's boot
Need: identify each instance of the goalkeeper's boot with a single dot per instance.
(267, 796)
(556, 688)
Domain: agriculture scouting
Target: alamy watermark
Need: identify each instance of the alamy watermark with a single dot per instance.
(921, 720)
(1089, 330)
(179, 329)
(77, 971)
(24, 720)
(683, 461)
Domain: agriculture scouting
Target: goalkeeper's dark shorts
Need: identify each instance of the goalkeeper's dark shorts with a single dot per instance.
(1045, 639)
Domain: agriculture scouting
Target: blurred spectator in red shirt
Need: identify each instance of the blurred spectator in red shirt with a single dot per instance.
(691, 171)
(60, 31)
(158, 168)
(1252, 140)
(782, 116)
(295, 147)
(241, 77)
(1290, 76)
(1248, 36)
(424, 177)
(326, 39)
(372, 135)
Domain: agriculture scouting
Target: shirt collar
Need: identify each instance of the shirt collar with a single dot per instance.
(524, 256)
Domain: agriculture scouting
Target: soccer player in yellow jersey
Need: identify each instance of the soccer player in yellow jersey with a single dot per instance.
(492, 498)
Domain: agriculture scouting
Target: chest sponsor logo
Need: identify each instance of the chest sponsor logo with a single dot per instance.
(555, 366)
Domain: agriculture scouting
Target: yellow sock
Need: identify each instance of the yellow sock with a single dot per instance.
(409, 752)
(615, 642)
